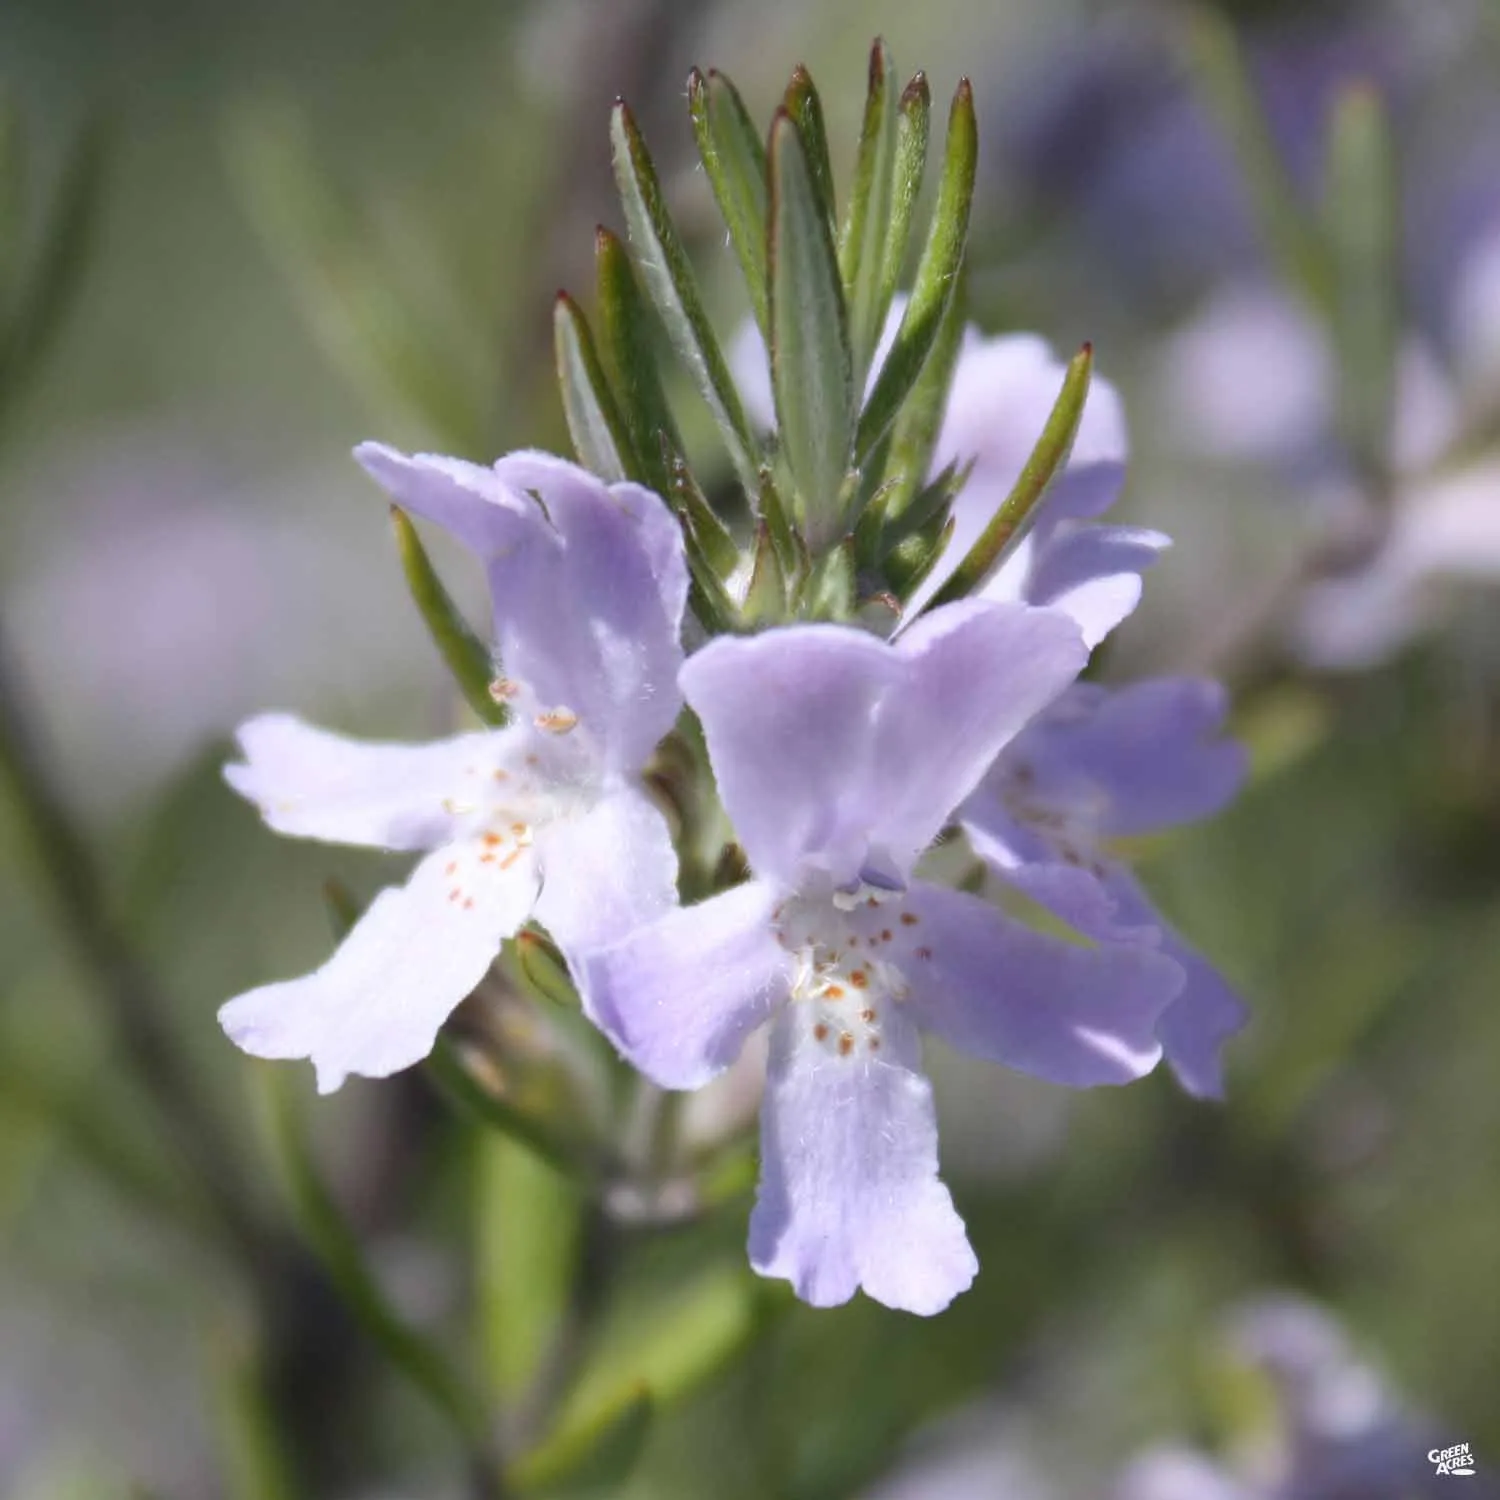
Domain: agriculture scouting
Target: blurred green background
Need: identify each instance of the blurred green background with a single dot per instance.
(187, 543)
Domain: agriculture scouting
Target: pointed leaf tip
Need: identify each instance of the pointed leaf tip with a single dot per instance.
(662, 263)
(871, 220)
(594, 422)
(937, 278)
(805, 106)
(1009, 524)
(734, 160)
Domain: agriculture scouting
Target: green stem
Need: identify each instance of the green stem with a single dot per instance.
(600, 1247)
(73, 885)
(336, 1246)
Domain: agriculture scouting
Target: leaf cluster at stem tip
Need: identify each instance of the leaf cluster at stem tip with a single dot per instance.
(840, 511)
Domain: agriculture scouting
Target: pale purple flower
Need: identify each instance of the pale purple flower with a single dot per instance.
(1102, 764)
(1444, 534)
(1253, 377)
(1108, 139)
(545, 818)
(839, 758)
(1339, 1430)
(1002, 394)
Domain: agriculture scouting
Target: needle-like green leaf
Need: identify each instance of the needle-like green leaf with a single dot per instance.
(594, 421)
(913, 120)
(811, 370)
(720, 550)
(466, 656)
(862, 243)
(802, 103)
(1222, 73)
(772, 510)
(710, 600)
(734, 158)
(936, 282)
(628, 350)
(912, 439)
(1362, 227)
(1007, 525)
(669, 282)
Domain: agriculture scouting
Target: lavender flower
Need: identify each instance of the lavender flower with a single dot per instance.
(1253, 378)
(839, 758)
(545, 818)
(1339, 1431)
(1109, 763)
(1002, 393)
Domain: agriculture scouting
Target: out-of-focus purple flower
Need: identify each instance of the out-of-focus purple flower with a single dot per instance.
(1253, 378)
(1112, 136)
(544, 818)
(1102, 764)
(839, 758)
(1002, 394)
(1340, 1433)
(1445, 532)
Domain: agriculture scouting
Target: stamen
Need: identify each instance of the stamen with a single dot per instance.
(557, 720)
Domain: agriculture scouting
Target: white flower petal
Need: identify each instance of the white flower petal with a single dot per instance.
(849, 1190)
(315, 785)
(377, 1005)
(606, 872)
